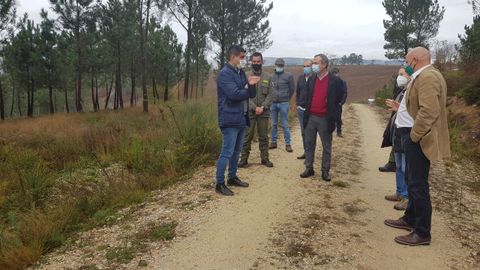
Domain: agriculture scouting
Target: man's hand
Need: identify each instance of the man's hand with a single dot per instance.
(259, 110)
(253, 80)
(392, 105)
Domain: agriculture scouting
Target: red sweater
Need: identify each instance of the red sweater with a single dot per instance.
(319, 100)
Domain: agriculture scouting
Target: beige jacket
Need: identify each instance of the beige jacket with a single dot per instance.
(426, 103)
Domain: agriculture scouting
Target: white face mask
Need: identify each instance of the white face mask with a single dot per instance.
(316, 68)
(243, 63)
(402, 81)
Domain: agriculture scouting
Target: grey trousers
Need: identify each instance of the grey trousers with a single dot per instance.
(318, 125)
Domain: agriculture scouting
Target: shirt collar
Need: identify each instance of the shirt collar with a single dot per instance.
(416, 73)
(323, 77)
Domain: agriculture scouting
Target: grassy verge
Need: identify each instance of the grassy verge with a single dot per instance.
(65, 173)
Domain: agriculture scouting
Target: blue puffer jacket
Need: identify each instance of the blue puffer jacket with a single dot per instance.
(233, 96)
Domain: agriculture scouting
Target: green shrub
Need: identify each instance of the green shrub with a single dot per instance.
(471, 91)
(61, 174)
(385, 93)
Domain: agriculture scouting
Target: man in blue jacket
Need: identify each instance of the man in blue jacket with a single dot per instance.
(233, 90)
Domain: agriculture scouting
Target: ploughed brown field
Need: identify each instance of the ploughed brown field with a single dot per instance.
(363, 81)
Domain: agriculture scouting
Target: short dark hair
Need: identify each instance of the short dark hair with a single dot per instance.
(256, 54)
(324, 58)
(235, 50)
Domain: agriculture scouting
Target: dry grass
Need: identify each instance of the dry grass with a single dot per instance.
(64, 173)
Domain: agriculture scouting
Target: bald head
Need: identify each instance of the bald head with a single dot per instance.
(418, 58)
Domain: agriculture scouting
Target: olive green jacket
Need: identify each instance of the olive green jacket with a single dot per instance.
(264, 96)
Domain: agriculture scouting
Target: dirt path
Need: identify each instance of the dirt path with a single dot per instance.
(387, 254)
(236, 235)
(280, 222)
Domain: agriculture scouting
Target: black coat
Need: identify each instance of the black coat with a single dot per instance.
(334, 98)
(390, 138)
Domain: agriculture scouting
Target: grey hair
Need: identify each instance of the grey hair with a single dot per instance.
(309, 60)
(324, 58)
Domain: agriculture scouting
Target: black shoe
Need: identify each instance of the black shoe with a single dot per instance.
(301, 157)
(326, 176)
(235, 181)
(389, 167)
(243, 164)
(267, 163)
(307, 173)
(223, 190)
(340, 135)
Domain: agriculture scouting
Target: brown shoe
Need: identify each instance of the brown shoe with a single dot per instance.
(402, 205)
(413, 239)
(272, 146)
(399, 224)
(393, 198)
(288, 147)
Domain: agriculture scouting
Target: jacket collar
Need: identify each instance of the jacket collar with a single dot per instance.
(237, 70)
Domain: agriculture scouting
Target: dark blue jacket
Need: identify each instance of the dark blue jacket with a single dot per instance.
(302, 90)
(233, 97)
(345, 91)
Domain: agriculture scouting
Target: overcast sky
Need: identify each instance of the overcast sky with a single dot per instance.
(303, 28)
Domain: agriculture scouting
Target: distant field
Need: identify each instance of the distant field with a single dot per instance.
(363, 81)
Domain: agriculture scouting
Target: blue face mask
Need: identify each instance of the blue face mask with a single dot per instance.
(315, 68)
(307, 70)
(279, 69)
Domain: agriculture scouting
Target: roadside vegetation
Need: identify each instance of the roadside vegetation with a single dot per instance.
(66, 173)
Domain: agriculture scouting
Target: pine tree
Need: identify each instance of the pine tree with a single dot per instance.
(412, 23)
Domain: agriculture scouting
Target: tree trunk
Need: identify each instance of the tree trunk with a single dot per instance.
(19, 105)
(29, 94)
(2, 105)
(203, 84)
(78, 94)
(154, 90)
(115, 96)
(92, 90)
(50, 98)
(143, 37)
(178, 91)
(188, 51)
(97, 103)
(67, 109)
(13, 101)
(55, 100)
(223, 37)
(133, 95)
(191, 89)
(165, 92)
(32, 98)
(197, 75)
(119, 78)
(107, 100)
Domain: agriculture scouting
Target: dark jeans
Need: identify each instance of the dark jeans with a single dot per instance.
(261, 123)
(232, 141)
(419, 210)
(318, 125)
(301, 114)
(339, 122)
